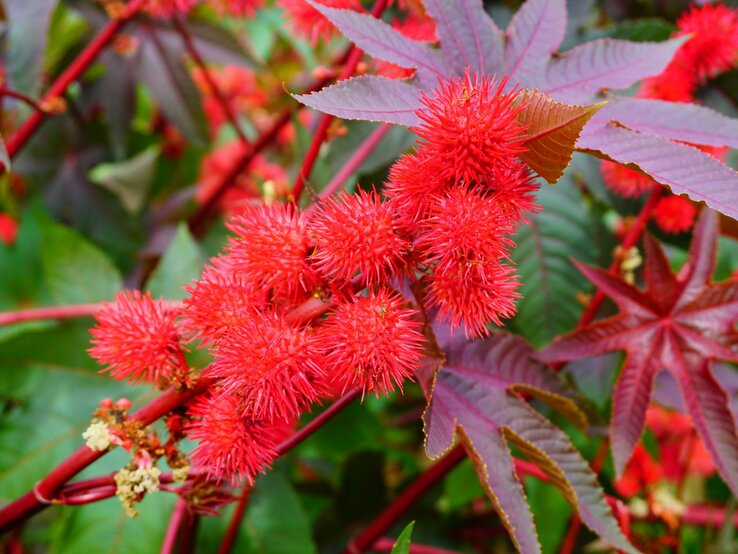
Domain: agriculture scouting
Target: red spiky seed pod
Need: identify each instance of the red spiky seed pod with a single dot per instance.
(473, 294)
(463, 226)
(357, 234)
(229, 444)
(271, 249)
(413, 179)
(470, 123)
(624, 181)
(137, 338)
(674, 214)
(372, 342)
(713, 47)
(221, 300)
(272, 363)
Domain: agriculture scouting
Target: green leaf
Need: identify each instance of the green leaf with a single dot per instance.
(461, 487)
(182, 262)
(650, 29)
(103, 527)
(402, 544)
(20, 266)
(129, 180)
(276, 520)
(75, 271)
(562, 230)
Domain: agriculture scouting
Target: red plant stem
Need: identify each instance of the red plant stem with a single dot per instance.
(230, 536)
(60, 312)
(319, 421)
(404, 501)
(40, 497)
(705, 514)
(629, 240)
(288, 444)
(175, 525)
(325, 120)
(386, 544)
(73, 72)
(356, 159)
(22, 97)
(208, 76)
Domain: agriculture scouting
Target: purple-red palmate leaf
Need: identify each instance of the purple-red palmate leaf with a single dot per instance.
(384, 42)
(643, 135)
(533, 36)
(679, 323)
(476, 394)
(368, 97)
(683, 168)
(672, 120)
(581, 74)
(472, 38)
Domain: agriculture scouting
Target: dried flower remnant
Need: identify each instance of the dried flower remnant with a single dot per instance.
(133, 484)
(138, 339)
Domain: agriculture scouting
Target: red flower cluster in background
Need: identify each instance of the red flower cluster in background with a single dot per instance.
(444, 228)
(711, 50)
(681, 452)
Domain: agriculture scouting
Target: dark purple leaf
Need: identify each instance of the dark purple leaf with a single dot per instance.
(686, 170)
(386, 43)
(678, 323)
(162, 69)
(579, 75)
(535, 32)
(708, 404)
(468, 36)
(672, 120)
(368, 97)
(475, 394)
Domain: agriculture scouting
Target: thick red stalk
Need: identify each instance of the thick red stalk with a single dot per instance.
(208, 76)
(59, 312)
(404, 501)
(176, 523)
(325, 120)
(71, 74)
(230, 536)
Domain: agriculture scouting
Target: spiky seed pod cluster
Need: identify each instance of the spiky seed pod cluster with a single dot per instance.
(453, 204)
(461, 194)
